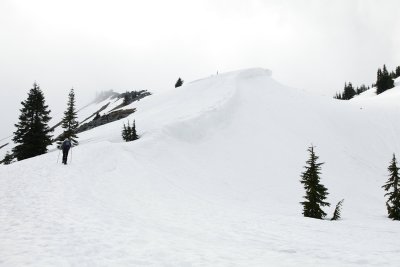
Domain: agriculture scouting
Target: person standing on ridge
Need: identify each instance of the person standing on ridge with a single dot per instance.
(66, 145)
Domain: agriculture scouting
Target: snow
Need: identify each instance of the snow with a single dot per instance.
(213, 181)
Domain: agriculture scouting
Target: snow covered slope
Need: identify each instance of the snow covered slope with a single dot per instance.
(213, 181)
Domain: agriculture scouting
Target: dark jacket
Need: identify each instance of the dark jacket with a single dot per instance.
(66, 145)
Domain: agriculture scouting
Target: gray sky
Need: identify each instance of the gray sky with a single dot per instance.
(123, 45)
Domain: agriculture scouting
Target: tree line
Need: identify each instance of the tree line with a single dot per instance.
(384, 81)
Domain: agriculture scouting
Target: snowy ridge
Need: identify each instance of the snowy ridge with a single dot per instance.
(213, 181)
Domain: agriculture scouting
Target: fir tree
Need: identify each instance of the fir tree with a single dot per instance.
(338, 96)
(349, 91)
(129, 132)
(392, 187)
(361, 89)
(179, 83)
(125, 132)
(33, 133)
(316, 193)
(69, 121)
(397, 72)
(338, 210)
(383, 80)
(134, 135)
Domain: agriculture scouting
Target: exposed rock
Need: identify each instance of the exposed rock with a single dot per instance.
(101, 120)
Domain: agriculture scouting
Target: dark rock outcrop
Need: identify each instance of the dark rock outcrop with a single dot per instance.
(107, 118)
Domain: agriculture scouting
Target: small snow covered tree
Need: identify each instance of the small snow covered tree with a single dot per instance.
(392, 187)
(129, 132)
(316, 193)
(338, 210)
(69, 121)
(179, 83)
(33, 133)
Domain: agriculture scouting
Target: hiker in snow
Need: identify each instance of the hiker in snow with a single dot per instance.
(66, 145)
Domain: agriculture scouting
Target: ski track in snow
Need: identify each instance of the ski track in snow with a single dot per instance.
(213, 181)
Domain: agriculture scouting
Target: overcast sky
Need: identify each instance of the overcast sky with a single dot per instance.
(95, 45)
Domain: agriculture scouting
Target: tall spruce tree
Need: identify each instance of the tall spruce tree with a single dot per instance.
(33, 133)
(316, 193)
(69, 122)
(179, 82)
(392, 187)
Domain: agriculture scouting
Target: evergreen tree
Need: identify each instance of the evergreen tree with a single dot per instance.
(349, 91)
(129, 132)
(33, 133)
(383, 80)
(8, 158)
(125, 132)
(316, 193)
(134, 135)
(392, 187)
(338, 210)
(361, 89)
(127, 98)
(179, 83)
(69, 122)
(397, 72)
(338, 96)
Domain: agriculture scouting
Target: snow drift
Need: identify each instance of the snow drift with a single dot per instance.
(213, 181)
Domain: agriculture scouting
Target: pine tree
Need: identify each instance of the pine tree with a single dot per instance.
(129, 132)
(383, 80)
(69, 122)
(134, 135)
(392, 187)
(338, 210)
(316, 193)
(33, 133)
(349, 91)
(125, 132)
(338, 96)
(179, 83)
(397, 72)
(361, 89)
